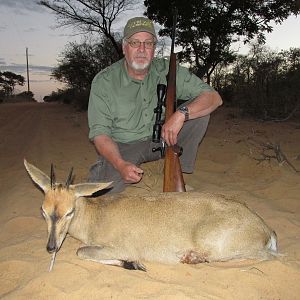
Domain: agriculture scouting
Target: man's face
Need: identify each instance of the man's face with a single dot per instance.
(139, 55)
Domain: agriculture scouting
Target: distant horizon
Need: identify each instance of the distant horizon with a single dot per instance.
(42, 89)
(28, 25)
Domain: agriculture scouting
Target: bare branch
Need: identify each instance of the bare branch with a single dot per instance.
(271, 151)
(90, 15)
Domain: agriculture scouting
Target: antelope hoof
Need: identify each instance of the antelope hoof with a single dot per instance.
(133, 265)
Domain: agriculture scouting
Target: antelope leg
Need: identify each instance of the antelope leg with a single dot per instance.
(105, 256)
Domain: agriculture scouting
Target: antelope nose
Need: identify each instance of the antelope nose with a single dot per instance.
(51, 248)
(51, 244)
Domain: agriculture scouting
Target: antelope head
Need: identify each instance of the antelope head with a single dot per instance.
(58, 207)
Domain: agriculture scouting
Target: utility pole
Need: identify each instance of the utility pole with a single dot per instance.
(27, 70)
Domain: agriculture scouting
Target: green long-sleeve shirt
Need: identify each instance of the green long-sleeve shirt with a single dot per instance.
(123, 108)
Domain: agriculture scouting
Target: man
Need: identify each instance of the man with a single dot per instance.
(121, 110)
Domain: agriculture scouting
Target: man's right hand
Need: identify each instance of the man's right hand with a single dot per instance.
(130, 172)
(110, 151)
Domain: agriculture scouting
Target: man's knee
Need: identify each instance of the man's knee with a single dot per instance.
(194, 130)
(190, 137)
(199, 123)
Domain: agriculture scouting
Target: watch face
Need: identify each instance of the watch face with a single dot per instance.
(185, 111)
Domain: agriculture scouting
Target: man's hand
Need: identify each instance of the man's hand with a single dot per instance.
(130, 172)
(201, 106)
(172, 127)
(109, 149)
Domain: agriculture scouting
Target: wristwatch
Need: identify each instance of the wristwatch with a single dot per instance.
(184, 110)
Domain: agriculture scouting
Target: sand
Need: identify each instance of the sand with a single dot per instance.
(55, 133)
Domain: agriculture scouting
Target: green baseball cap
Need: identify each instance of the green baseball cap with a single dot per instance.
(138, 24)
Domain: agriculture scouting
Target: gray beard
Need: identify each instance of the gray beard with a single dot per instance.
(140, 67)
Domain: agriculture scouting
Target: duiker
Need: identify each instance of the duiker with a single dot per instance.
(124, 230)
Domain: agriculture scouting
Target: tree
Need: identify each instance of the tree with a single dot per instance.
(25, 96)
(79, 63)
(8, 81)
(207, 28)
(264, 84)
(77, 67)
(90, 15)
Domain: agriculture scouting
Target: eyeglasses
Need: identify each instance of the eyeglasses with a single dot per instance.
(149, 44)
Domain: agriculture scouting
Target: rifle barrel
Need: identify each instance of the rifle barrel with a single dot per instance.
(173, 178)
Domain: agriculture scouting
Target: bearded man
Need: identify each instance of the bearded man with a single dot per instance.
(121, 110)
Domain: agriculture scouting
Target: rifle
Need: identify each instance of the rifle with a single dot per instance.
(173, 178)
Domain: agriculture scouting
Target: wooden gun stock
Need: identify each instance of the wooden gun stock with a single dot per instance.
(173, 179)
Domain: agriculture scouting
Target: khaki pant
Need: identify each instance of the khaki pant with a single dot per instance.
(189, 139)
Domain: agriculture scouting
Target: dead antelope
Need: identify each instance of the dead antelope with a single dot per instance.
(168, 228)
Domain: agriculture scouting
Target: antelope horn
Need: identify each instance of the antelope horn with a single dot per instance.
(52, 176)
(70, 177)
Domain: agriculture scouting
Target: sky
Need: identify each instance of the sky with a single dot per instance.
(25, 24)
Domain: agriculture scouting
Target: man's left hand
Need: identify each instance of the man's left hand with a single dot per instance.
(172, 127)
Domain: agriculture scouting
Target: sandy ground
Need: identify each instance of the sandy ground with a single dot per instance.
(45, 133)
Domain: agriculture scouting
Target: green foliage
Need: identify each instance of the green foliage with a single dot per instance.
(78, 66)
(79, 63)
(25, 96)
(206, 28)
(78, 99)
(2, 96)
(264, 84)
(8, 81)
(21, 97)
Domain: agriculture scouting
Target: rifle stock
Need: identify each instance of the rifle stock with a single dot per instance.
(173, 178)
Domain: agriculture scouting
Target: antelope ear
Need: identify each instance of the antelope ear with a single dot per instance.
(39, 177)
(87, 189)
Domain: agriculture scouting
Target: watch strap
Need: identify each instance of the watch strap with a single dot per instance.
(184, 110)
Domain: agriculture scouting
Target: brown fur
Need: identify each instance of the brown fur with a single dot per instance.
(166, 227)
